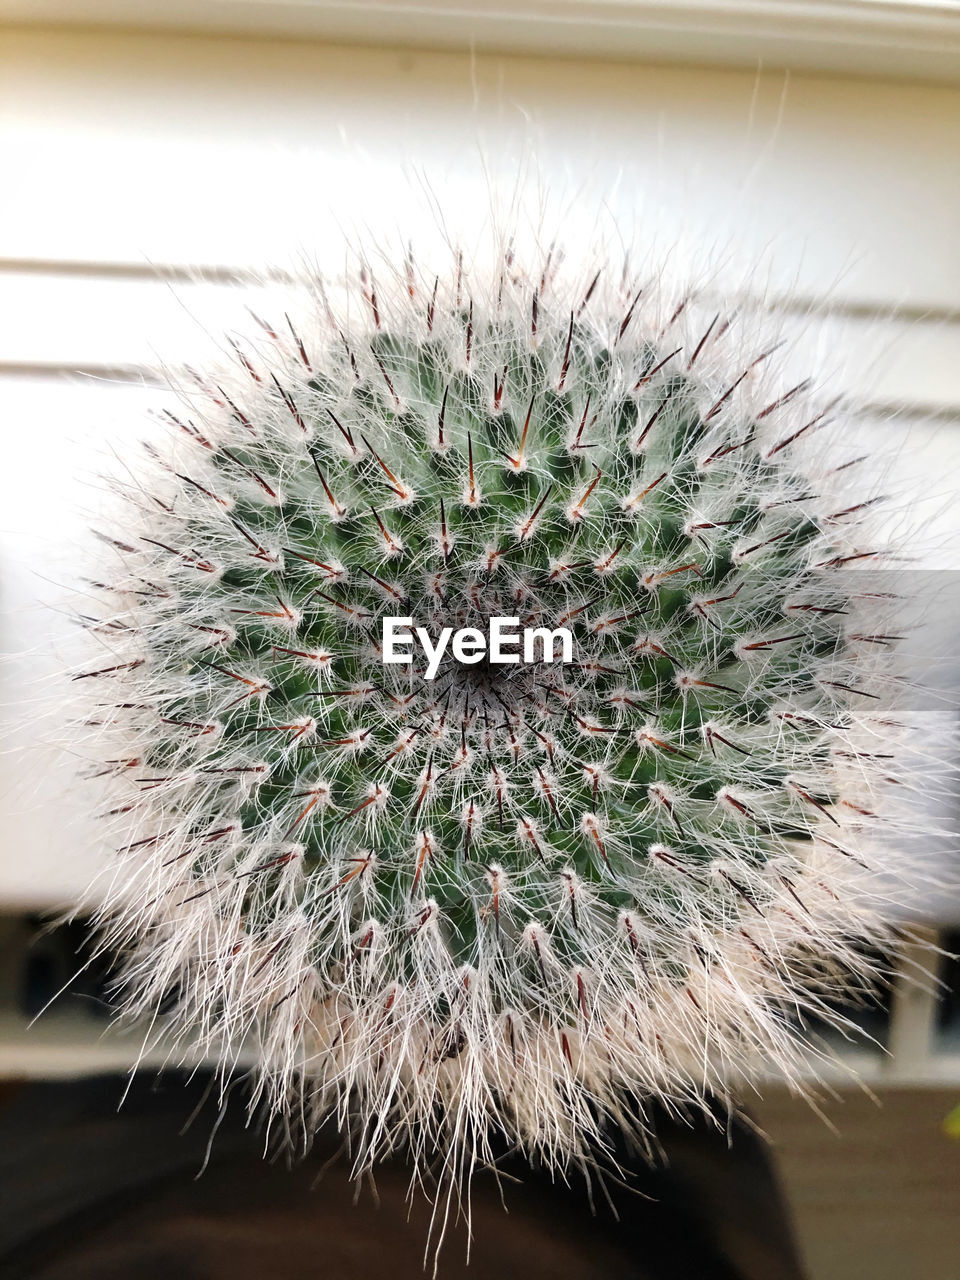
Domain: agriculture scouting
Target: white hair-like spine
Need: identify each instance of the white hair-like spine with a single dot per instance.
(525, 901)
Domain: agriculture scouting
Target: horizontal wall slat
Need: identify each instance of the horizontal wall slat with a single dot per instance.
(156, 150)
(53, 323)
(59, 437)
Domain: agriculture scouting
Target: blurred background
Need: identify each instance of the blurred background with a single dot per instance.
(158, 157)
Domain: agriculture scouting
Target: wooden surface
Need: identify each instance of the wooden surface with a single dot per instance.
(879, 1200)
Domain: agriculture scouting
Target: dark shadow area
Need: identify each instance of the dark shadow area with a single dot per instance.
(90, 1192)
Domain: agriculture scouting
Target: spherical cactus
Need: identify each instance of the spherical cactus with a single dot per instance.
(500, 732)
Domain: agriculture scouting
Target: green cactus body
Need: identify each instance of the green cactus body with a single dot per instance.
(520, 893)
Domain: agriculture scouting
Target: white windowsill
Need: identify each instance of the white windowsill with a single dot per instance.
(903, 38)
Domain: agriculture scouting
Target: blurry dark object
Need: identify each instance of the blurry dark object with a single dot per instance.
(948, 1010)
(865, 1008)
(56, 962)
(90, 1193)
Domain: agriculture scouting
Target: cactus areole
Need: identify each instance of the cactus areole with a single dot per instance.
(495, 726)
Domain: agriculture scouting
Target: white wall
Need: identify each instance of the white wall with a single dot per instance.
(132, 159)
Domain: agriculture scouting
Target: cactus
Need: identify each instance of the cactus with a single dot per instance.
(520, 898)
